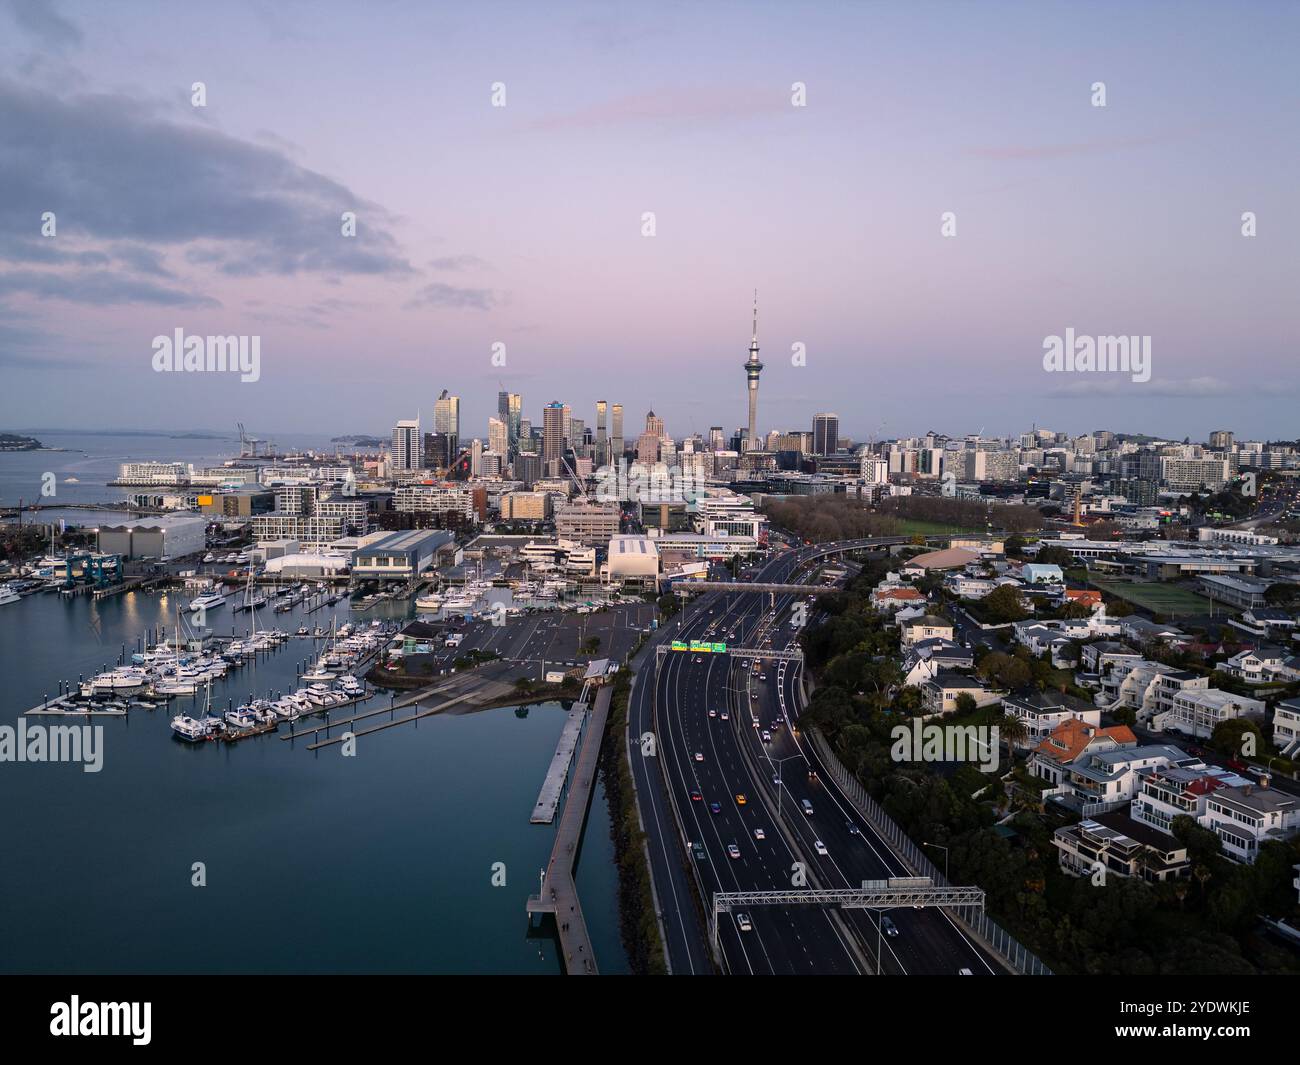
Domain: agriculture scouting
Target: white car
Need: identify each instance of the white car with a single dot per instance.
(767, 736)
(699, 757)
(713, 713)
(759, 834)
(744, 923)
(820, 848)
(733, 850)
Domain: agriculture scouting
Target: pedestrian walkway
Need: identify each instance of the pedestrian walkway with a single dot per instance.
(559, 894)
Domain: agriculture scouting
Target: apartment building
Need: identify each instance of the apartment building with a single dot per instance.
(1286, 727)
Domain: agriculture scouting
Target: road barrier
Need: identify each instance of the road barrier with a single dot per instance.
(1019, 958)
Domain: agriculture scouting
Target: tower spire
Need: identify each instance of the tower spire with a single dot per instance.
(755, 314)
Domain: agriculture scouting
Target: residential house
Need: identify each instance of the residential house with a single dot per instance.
(926, 658)
(1042, 712)
(1195, 711)
(1286, 727)
(1101, 780)
(1244, 818)
(1099, 657)
(889, 599)
(1069, 741)
(1112, 843)
(1261, 665)
(1180, 790)
(925, 627)
(939, 694)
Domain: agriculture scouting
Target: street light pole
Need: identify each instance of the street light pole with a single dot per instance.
(926, 843)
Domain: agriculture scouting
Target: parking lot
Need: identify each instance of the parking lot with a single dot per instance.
(550, 639)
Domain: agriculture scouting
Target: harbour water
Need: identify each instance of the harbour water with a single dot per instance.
(314, 861)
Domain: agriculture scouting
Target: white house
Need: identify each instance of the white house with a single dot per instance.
(1195, 712)
(1244, 818)
(1286, 727)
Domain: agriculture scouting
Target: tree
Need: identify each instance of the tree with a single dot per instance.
(965, 703)
(1054, 556)
(591, 645)
(1003, 605)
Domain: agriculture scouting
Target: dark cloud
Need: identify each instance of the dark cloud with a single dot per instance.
(458, 262)
(114, 169)
(97, 287)
(39, 19)
(439, 295)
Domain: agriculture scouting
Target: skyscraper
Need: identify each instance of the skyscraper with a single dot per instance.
(826, 434)
(406, 446)
(552, 435)
(510, 411)
(498, 436)
(654, 424)
(616, 434)
(446, 418)
(752, 369)
(602, 445)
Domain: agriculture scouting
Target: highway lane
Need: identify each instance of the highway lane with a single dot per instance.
(783, 940)
(787, 939)
(929, 941)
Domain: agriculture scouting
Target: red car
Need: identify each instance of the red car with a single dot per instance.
(696, 797)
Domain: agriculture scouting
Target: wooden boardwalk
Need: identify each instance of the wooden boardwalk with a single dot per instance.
(559, 894)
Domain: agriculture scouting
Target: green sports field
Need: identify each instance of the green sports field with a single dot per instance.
(1170, 599)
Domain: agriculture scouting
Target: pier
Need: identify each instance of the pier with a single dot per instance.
(559, 892)
(548, 801)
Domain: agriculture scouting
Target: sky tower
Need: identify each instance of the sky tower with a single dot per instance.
(752, 369)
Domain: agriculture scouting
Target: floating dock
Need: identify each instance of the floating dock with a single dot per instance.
(548, 800)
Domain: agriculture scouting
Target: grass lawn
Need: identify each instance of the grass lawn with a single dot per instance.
(1171, 599)
(914, 527)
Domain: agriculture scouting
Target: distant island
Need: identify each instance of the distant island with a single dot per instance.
(360, 441)
(14, 442)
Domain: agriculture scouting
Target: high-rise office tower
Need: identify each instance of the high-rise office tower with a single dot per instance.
(752, 369)
(568, 418)
(654, 424)
(510, 411)
(446, 418)
(716, 440)
(826, 434)
(406, 446)
(498, 436)
(602, 445)
(552, 434)
(616, 434)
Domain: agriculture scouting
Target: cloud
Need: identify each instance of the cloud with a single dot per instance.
(1118, 384)
(113, 168)
(438, 294)
(98, 288)
(41, 21)
(459, 262)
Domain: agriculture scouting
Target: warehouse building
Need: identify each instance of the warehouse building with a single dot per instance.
(169, 536)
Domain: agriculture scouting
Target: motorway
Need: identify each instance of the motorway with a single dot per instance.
(721, 758)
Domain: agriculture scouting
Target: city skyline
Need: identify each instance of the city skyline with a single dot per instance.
(224, 219)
